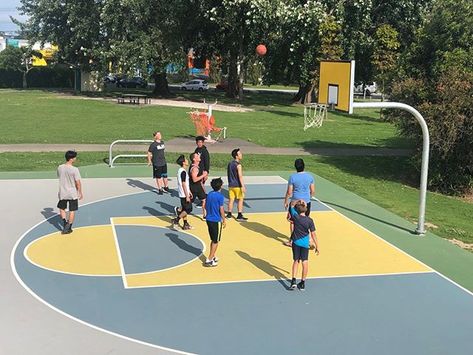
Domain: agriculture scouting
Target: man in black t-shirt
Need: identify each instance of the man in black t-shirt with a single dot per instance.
(201, 149)
(160, 168)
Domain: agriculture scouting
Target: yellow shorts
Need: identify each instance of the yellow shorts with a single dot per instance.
(236, 193)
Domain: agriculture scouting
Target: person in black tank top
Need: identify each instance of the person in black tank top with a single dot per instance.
(236, 187)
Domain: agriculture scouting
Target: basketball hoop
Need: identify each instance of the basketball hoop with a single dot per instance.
(314, 115)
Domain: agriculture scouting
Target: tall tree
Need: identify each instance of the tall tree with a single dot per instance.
(18, 59)
(385, 54)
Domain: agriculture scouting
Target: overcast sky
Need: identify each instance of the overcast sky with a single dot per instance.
(7, 9)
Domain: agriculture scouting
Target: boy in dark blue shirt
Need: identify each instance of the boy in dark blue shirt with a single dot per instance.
(301, 242)
(215, 218)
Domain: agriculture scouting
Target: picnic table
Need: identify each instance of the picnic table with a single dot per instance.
(133, 99)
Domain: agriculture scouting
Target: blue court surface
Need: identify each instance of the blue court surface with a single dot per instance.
(125, 272)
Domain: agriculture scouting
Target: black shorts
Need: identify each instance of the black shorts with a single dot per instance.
(198, 192)
(73, 205)
(186, 206)
(299, 253)
(215, 231)
(160, 171)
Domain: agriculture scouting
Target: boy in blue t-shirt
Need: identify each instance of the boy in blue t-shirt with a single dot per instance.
(215, 219)
(301, 242)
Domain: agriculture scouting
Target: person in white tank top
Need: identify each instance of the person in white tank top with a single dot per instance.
(184, 194)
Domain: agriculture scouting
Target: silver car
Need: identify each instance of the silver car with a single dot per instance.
(195, 84)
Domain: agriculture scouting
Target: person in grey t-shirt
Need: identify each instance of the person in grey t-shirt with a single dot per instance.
(70, 190)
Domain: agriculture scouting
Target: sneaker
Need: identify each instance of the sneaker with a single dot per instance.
(67, 229)
(160, 191)
(293, 284)
(187, 227)
(241, 218)
(166, 189)
(174, 223)
(215, 259)
(210, 263)
(229, 215)
(301, 285)
(176, 211)
(204, 217)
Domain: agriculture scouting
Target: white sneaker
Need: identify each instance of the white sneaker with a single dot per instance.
(210, 263)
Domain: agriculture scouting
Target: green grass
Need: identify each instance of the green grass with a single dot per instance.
(34, 116)
(376, 179)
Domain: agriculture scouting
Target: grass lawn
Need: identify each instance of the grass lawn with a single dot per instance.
(35, 116)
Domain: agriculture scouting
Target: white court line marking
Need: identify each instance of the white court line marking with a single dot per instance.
(67, 315)
(20, 281)
(25, 254)
(119, 254)
(283, 279)
(169, 268)
(402, 251)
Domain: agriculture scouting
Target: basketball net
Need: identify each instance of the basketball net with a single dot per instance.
(314, 115)
(204, 123)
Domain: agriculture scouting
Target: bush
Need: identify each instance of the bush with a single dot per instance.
(51, 77)
(10, 78)
(447, 106)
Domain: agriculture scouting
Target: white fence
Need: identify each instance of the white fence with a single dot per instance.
(111, 158)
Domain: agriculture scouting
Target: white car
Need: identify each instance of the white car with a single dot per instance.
(369, 88)
(196, 84)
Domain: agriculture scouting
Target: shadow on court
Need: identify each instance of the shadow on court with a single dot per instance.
(266, 231)
(140, 184)
(266, 267)
(411, 231)
(52, 217)
(183, 245)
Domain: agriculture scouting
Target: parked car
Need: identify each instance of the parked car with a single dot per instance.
(196, 84)
(110, 79)
(368, 87)
(135, 82)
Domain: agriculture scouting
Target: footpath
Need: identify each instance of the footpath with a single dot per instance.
(226, 146)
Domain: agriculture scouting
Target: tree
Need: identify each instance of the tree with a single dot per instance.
(385, 54)
(437, 78)
(18, 59)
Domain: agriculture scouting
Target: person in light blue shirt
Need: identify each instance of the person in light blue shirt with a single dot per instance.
(300, 186)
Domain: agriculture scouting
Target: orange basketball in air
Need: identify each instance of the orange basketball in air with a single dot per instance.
(261, 50)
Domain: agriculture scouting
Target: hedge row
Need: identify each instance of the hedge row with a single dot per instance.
(41, 77)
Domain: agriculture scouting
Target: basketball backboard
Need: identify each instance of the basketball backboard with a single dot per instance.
(336, 84)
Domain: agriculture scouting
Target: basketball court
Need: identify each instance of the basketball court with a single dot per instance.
(124, 272)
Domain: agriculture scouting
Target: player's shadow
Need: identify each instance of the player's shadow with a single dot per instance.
(183, 245)
(160, 215)
(139, 184)
(52, 217)
(266, 231)
(266, 267)
(411, 231)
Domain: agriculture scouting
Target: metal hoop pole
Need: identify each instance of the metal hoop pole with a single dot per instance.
(425, 152)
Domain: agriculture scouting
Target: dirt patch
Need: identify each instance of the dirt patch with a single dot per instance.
(461, 244)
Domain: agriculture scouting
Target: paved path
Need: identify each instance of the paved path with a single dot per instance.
(188, 144)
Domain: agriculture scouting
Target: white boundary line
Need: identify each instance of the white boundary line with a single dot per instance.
(402, 251)
(67, 315)
(166, 269)
(20, 281)
(119, 254)
(283, 279)
(25, 251)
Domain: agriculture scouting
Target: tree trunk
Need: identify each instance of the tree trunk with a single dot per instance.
(25, 83)
(233, 80)
(161, 87)
(301, 94)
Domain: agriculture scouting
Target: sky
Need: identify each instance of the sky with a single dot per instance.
(7, 9)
